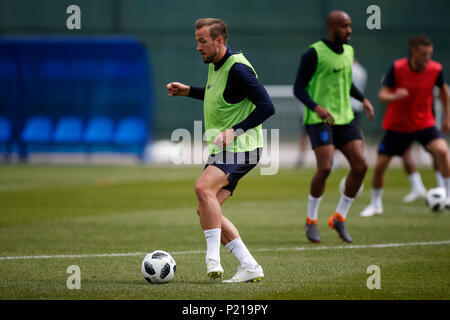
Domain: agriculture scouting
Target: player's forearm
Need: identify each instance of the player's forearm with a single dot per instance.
(355, 93)
(301, 94)
(260, 114)
(386, 96)
(196, 93)
(443, 96)
(305, 73)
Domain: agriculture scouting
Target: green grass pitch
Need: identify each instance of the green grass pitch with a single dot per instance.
(87, 211)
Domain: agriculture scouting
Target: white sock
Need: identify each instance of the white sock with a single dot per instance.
(240, 251)
(213, 243)
(344, 205)
(439, 179)
(416, 182)
(313, 207)
(376, 199)
(447, 187)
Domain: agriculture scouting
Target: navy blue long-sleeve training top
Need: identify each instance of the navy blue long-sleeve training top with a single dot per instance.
(242, 83)
(307, 69)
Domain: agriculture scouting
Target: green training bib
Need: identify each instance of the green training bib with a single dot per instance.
(220, 115)
(331, 83)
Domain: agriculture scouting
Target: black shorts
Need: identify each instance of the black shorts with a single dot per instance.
(236, 165)
(322, 134)
(396, 143)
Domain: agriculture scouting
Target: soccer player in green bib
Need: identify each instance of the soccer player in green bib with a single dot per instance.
(235, 105)
(324, 85)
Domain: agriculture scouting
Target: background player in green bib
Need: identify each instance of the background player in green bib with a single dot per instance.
(235, 105)
(324, 85)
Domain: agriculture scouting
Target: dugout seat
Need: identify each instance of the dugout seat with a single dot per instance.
(37, 129)
(131, 130)
(5, 130)
(99, 130)
(131, 135)
(5, 137)
(68, 130)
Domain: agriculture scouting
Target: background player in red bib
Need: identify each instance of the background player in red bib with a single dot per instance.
(408, 90)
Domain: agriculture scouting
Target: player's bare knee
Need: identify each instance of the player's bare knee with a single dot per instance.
(442, 153)
(360, 168)
(202, 190)
(199, 187)
(324, 170)
(439, 156)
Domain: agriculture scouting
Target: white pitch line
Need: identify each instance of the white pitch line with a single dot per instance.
(363, 246)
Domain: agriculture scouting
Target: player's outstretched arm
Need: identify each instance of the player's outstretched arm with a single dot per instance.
(386, 95)
(177, 89)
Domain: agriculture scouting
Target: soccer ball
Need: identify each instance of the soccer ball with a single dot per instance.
(158, 267)
(342, 186)
(435, 199)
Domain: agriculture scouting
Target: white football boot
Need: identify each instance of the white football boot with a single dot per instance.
(414, 195)
(247, 274)
(372, 210)
(213, 269)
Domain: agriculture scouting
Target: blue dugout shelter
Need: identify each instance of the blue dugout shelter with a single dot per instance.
(64, 85)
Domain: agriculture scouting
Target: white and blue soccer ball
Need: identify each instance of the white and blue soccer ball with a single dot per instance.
(436, 199)
(158, 267)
